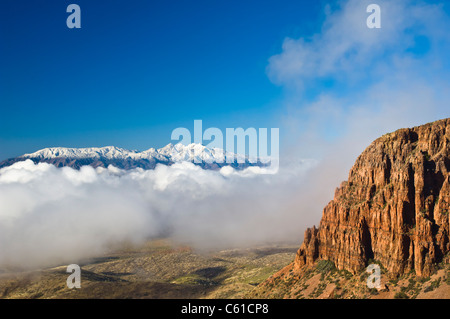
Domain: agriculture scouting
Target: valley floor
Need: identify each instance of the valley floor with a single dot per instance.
(159, 269)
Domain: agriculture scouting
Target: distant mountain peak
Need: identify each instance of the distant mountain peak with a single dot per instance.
(208, 158)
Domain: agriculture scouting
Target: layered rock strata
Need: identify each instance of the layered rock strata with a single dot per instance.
(394, 208)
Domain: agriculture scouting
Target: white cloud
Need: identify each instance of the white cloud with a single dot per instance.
(381, 79)
(347, 50)
(52, 215)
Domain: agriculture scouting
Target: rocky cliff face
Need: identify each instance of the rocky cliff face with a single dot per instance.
(394, 208)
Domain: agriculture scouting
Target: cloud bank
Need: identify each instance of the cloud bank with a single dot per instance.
(52, 215)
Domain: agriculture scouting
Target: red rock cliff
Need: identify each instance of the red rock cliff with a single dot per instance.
(394, 208)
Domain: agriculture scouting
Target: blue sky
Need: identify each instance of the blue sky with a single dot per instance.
(138, 69)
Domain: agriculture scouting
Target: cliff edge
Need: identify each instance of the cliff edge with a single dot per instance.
(394, 208)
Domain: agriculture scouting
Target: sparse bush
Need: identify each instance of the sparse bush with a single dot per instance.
(373, 291)
(394, 281)
(345, 273)
(424, 280)
(434, 284)
(319, 290)
(412, 283)
(401, 295)
(325, 266)
(364, 276)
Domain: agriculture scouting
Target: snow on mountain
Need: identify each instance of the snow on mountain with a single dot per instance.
(107, 152)
(170, 152)
(209, 158)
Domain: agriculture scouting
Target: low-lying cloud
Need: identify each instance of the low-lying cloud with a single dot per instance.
(52, 215)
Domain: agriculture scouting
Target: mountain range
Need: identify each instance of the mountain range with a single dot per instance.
(207, 158)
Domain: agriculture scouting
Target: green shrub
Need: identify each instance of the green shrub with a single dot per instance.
(364, 276)
(424, 280)
(394, 281)
(434, 284)
(401, 295)
(373, 291)
(345, 273)
(325, 266)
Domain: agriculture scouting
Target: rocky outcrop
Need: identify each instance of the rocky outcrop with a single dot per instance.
(394, 208)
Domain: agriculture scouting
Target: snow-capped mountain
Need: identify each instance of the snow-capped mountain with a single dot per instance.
(208, 158)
